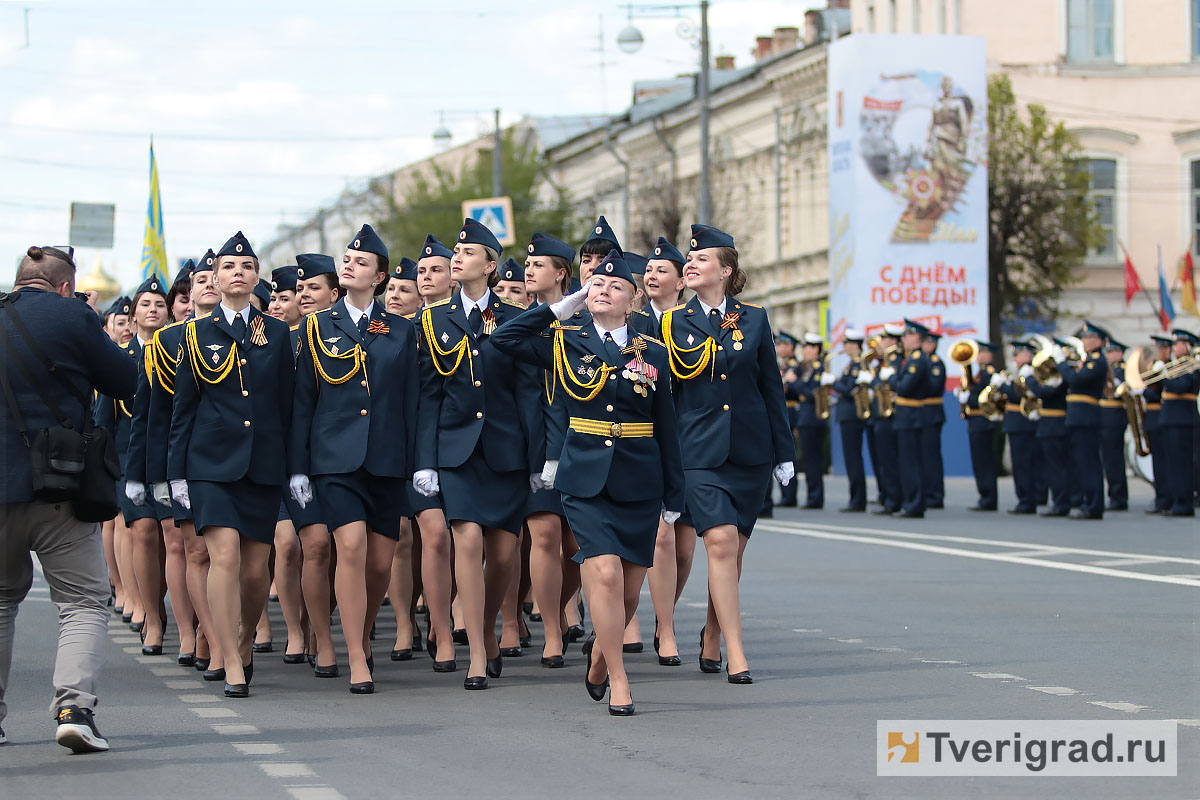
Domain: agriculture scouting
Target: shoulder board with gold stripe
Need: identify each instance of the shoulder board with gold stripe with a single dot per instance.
(752, 305)
(438, 303)
(675, 308)
(512, 303)
(651, 339)
(570, 327)
(639, 311)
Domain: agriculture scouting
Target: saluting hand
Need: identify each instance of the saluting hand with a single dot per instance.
(564, 309)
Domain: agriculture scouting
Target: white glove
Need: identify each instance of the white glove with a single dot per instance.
(179, 492)
(886, 373)
(162, 493)
(1058, 354)
(784, 473)
(962, 395)
(301, 489)
(564, 309)
(426, 482)
(670, 517)
(997, 380)
(864, 377)
(1138, 391)
(549, 474)
(535, 482)
(1025, 371)
(1157, 365)
(1035, 415)
(1052, 381)
(136, 492)
(827, 379)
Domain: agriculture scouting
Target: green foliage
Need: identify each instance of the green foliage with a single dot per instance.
(1042, 222)
(434, 203)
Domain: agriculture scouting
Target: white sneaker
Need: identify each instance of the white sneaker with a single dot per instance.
(77, 731)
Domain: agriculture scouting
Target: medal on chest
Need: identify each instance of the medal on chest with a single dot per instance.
(730, 323)
(641, 374)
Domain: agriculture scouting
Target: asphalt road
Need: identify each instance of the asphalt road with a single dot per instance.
(849, 619)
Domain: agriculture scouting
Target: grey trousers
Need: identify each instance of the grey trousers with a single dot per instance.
(72, 557)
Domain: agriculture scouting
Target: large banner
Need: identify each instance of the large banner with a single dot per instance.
(908, 210)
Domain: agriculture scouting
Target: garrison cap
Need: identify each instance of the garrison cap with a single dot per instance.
(433, 247)
(367, 241)
(152, 284)
(283, 279)
(510, 270)
(543, 244)
(206, 263)
(475, 232)
(185, 272)
(664, 249)
(637, 264)
(406, 270)
(238, 245)
(262, 290)
(705, 236)
(603, 231)
(121, 305)
(310, 265)
(614, 266)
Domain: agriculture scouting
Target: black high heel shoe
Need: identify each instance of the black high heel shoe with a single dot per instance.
(621, 711)
(295, 658)
(201, 664)
(495, 666)
(214, 674)
(742, 678)
(402, 655)
(596, 691)
(126, 618)
(249, 670)
(366, 687)
(511, 652)
(707, 664)
(475, 684)
(459, 635)
(445, 666)
(186, 659)
(237, 690)
(330, 671)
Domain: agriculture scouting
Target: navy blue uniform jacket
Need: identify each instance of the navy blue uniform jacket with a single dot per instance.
(1085, 387)
(150, 426)
(911, 386)
(935, 408)
(233, 429)
(1053, 422)
(115, 414)
(632, 469)
(369, 420)
(487, 398)
(70, 334)
(1177, 410)
(733, 409)
(844, 386)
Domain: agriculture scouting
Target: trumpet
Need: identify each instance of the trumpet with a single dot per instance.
(1045, 365)
(964, 352)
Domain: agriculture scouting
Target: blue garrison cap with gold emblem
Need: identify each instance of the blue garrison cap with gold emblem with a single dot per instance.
(1184, 335)
(912, 326)
(206, 263)
(614, 266)
(283, 279)
(510, 270)
(185, 272)
(664, 249)
(238, 245)
(705, 236)
(152, 284)
(262, 290)
(433, 247)
(121, 305)
(406, 270)
(543, 244)
(637, 263)
(367, 241)
(310, 265)
(602, 231)
(475, 232)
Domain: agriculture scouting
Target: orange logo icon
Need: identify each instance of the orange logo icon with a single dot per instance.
(903, 747)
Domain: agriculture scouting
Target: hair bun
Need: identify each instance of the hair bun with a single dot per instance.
(35, 253)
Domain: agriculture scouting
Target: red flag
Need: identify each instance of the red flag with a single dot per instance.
(1132, 284)
(1187, 279)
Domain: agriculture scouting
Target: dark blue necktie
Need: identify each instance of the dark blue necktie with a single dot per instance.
(611, 350)
(239, 329)
(362, 326)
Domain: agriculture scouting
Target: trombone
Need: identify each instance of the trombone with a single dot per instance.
(1175, 368)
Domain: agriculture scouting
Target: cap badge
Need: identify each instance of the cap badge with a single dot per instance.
(208, 261)
(608, 267)
(428, 251)
(300, 273)
(531, 248)
(462, 234)
(658, 251)
(275, 285)
(693, 242)
(508, 275)
(599, 229)
(357, 243)
(238, 247)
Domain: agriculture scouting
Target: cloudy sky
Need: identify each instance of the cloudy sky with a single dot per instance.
(263, 111)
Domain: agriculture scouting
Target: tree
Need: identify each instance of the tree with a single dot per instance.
(434, 202)
(1042, 221)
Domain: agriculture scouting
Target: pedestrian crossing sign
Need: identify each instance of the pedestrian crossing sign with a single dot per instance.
(495, 214)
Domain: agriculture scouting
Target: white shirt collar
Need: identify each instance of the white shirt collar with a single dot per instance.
(467, 302)
(619, 335)
(657, 313)
(357, 313)
(141, 342)
(230, 313)
(708, 309)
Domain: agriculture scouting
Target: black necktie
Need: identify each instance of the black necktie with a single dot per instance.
(362, 326)
(611, 349)
(715, 316)
(475, 320)
(239, 328)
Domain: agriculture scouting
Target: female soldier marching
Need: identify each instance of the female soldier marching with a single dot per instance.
(621, 464)
(353, 430)
(233, 391)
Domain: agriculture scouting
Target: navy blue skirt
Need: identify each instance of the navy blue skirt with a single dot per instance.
(178, 512)
(419, 502)
(149, 509)
(247, 507)
(289, 509)
(474, 493)
(731, 494)
(382, 503)
(545, 500)
(604, 526)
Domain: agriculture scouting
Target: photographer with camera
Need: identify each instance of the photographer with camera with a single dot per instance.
(59, 476)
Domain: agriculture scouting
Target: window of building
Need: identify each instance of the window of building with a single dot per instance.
(1102, 188)
(1090, 31)
(1195, 226)
(916, 16)
(891, 20)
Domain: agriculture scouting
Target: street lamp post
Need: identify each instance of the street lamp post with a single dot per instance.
(630, 41)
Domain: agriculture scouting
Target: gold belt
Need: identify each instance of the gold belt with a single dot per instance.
(975, 412)
(1083, 398)
(1111, 404)
(932, 401)
(793, 403)
(617, 430)
(1154, 406)
(909, 402)
(1053, 413)
(1178, 395)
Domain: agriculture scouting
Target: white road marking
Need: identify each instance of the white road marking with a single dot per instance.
(182, 684)
(160, 671)
(1119, 705)
(936, 661)
(806, 630)
(126, 639)
(258, 748)
(197, 698)
(997, 676)
(154, 660)
(214, 713)
(845, 641)
(886, 649)
(137, 649)
(235, 729)
(696, 605)
(1125, 562)
(315, 793)
(1193, 581)
(1028, 553)
(1060, 691)
(286, 769)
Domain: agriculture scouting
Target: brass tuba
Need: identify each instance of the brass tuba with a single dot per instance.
(821, 393)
